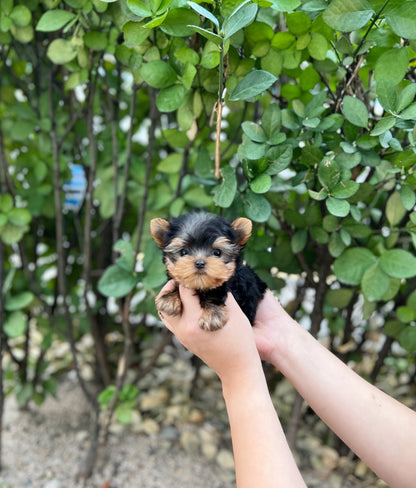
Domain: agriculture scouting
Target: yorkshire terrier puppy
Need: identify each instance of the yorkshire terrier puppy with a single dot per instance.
(203, 252)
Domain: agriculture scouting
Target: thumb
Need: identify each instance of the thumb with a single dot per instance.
(190, 302)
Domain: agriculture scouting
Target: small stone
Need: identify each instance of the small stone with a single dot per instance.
(173, 413)
(169, 433)
(154, 399)
(196, 416)
(225, 459)
(189, 441)
(82, 436)
(52, 484)
(360, 470)
(150, 427)
(329, 459)
(209, 450)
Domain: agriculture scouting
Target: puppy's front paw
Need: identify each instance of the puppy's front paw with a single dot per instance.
(213, 318)
(169, 303)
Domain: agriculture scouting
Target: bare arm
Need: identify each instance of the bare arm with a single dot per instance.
(262, 457)
(379, 429)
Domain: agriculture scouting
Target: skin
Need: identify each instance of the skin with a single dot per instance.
(380, 430)
(262, 456)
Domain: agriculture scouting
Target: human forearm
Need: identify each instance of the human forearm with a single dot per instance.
(262, 456)
(380, 430)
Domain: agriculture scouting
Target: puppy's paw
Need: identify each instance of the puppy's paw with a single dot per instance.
(169, 303)
(213, 318)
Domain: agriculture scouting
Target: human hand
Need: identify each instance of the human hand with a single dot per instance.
(231, 351)
(269, 328)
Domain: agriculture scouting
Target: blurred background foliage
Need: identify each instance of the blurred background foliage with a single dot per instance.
(299, 114)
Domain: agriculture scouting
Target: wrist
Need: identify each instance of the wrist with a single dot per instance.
(244, 381)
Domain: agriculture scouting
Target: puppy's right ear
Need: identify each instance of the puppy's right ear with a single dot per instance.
(158, 230)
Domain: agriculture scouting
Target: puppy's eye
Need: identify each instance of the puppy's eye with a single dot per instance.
(184, 252)
(217, 252)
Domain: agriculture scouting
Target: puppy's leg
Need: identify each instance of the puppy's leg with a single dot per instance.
(213, 317)
(170, 303)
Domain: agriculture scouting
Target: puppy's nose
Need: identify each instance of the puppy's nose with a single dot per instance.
(200, 263)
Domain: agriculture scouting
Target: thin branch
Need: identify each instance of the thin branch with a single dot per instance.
(59, 230)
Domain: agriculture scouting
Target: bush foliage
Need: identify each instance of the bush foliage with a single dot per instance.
(299, 114)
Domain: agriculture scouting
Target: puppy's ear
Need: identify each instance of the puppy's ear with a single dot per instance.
(242, 228)
(158, 230)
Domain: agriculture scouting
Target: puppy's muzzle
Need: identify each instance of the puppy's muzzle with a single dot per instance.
(200, 264)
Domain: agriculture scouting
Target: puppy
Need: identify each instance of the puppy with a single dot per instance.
(203, 252)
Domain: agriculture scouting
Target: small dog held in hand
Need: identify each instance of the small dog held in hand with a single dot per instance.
(203, 252)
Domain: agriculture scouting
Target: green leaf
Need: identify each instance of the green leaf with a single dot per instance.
(53, 20)
(15, 324)
(156, 21)
(299, 240)
(19, 216)
(254, 131)
(123, 414)
(319, 235)
(407, 338)
(155, 275)
(408, 197)
(134, 33)
(409, 113)
(239, 19)
(256, 207)
(21, 16)
(171, 164)
(392, 65)
(406, 96)
(383, 126)
(95, 40)
(339, 298)
(272, 120)
(402, 20)
(126, 260)
(387, 95)
(345, 189)
(261, 184)
(318, 46)
(329, 173)
(252, 150)
(139, 8)
(395, 211)
(406, 314)
(105, 396)
(171, 98)
(61, 51)
(355, 111)
(279, 158)
(181, 22)
(255, 83)
(226, 190)
(211, 36)
(204, 12)
(375, 282)
(285, 5)
(398, 263)
(350, 267)
(116, 282)
(339, 208)
(17, 302)
(158, 74)
(348, 16)
(298, 23)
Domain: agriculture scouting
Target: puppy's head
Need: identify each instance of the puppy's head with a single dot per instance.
(201, 250)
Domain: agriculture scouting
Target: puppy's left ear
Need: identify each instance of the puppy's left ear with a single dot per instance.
(158, 230)
(242, 228)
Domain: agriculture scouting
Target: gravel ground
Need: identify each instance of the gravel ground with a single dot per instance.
(173, 441)
(44, 447)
